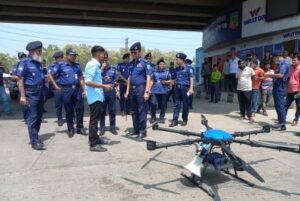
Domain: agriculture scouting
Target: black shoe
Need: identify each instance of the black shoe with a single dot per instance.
(162, 121)
(184, 123)
(279, 127)
(98, 148)
(81, 131)
(60, 122)
(102, 141)
(152, 120)
(113, 131)
(38, 146)
(71, 133)
(141, 136)
(173, 124)
(132, 134)
(102, 131)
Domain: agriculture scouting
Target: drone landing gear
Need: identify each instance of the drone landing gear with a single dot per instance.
(199, 184)
(235, 175)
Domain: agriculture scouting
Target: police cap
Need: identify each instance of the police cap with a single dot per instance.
(58, 54)
(21, 55)
(71, 51)
(148, 56)
(136, 46)
(188, 61)
(34, 45)
(181, 56)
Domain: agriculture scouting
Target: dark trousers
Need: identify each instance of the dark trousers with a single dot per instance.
(124, 104)
(58, 100)
(33, 112)
(206, 81)
(214, 92)
(290, 98)
(110, 103)
(244, 98)
(232, 82)
(95, 111)
(158, 99)
(181, 97)
(280, 104)
(171, 93)
(73, 100)
(191, 98)
(139, 109)
(227, 81)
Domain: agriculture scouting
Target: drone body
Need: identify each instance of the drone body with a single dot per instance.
(223, 159)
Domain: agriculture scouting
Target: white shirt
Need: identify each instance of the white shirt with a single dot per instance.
(233, 65)
(245, 79)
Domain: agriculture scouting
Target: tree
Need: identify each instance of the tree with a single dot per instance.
(8, 60)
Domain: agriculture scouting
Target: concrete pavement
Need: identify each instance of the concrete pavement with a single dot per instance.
(68, 171)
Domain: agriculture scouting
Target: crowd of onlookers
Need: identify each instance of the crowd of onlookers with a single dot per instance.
(256, 82)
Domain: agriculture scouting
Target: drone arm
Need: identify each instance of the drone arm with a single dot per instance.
(181, 132)
(268, 145)
(152, 145)
(265, 129)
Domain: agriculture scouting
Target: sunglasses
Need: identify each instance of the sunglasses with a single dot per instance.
(133, 52)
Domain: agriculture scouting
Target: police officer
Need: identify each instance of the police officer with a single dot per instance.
(191, 97)
(280, 83)
(183, 89)
(148, 57)
(172, 86)
(72, 87)
(123, 73)
(58, 98)
(138, 89)
(30, 82)
(109, 77)
(159, 91)
(21, 56)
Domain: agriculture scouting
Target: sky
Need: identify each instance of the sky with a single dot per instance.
(14, 37)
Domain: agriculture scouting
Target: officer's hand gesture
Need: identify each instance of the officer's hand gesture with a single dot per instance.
(23, 100)
(107, 87)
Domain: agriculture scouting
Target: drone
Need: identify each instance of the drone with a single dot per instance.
(206, 154)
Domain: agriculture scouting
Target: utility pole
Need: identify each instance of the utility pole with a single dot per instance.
(126, 44)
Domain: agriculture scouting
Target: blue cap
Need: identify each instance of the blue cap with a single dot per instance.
(71, 51)
(58, 54)
(126, 55)
(97, 48)
(105, 55)
(136, 46)
(188, 61)
(21, 55)
(34, 45)
(149, 55)
(181, 56)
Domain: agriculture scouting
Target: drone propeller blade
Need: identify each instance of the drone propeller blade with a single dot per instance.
(241, 164)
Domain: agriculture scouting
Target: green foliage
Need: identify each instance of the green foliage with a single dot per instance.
(7, 60)
(84, 55)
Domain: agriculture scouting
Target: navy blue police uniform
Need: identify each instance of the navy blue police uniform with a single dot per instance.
(182, 86)
(172, 71)
(69, 75)
(58, 97)
(191, 97)
(123, 69)
(279, 92)
(159, 93)
(138, 72)
(109, 76)
(33, 79)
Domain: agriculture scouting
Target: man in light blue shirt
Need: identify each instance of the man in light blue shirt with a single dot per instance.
(233, 62)
(94, 94)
